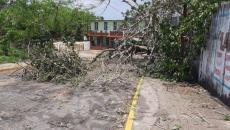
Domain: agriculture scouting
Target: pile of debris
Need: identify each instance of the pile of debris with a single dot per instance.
(107, 75)
(51, 65)
(115, 83)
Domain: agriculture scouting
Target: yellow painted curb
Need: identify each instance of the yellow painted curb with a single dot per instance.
(129, 122)
(10, 68)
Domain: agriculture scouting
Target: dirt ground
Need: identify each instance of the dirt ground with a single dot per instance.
(164, 106)
(100, 102)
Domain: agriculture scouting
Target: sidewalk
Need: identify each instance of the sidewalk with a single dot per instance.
(148, 105)
(164, 106)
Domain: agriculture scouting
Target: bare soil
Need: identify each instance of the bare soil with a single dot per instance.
(165, 105)
(100, 102)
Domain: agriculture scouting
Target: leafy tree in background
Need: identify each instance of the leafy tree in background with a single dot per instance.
(30, 22)
(181, 45)
(174, 50)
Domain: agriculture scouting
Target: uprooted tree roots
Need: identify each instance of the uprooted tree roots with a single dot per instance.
(51, 65)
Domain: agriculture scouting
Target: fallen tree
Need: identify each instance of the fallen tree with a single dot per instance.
(173, 33)
(47, 64)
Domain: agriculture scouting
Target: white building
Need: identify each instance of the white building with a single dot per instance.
(103, 33)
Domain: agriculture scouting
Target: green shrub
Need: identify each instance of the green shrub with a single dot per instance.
(8, 59)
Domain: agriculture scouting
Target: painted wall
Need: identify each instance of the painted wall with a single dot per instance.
(215, 58)
(83, 45)
(110, 25)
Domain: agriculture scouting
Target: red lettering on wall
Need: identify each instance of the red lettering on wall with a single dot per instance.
(227, 68)
(217, 72)
(227, 57)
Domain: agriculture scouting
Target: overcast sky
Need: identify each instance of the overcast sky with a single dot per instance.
(113, 11)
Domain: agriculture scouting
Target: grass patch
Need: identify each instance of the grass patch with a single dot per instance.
(8, 59)
(14, 56)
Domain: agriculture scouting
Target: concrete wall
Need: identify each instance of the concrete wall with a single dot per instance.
(61, 46)
(101, 25)
(214, 67)
(84, 45)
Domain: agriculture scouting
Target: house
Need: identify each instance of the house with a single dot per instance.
(103, 33)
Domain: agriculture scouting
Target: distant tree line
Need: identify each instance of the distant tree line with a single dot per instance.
(28, 22)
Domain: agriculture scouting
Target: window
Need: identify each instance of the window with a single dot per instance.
(105, 25)
(107, 41)
(96, 25)
(114, 25)
(98, 41)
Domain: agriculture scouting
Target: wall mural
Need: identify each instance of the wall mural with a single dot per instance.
(215, 59)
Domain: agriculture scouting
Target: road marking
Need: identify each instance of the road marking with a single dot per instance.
(129, 122)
